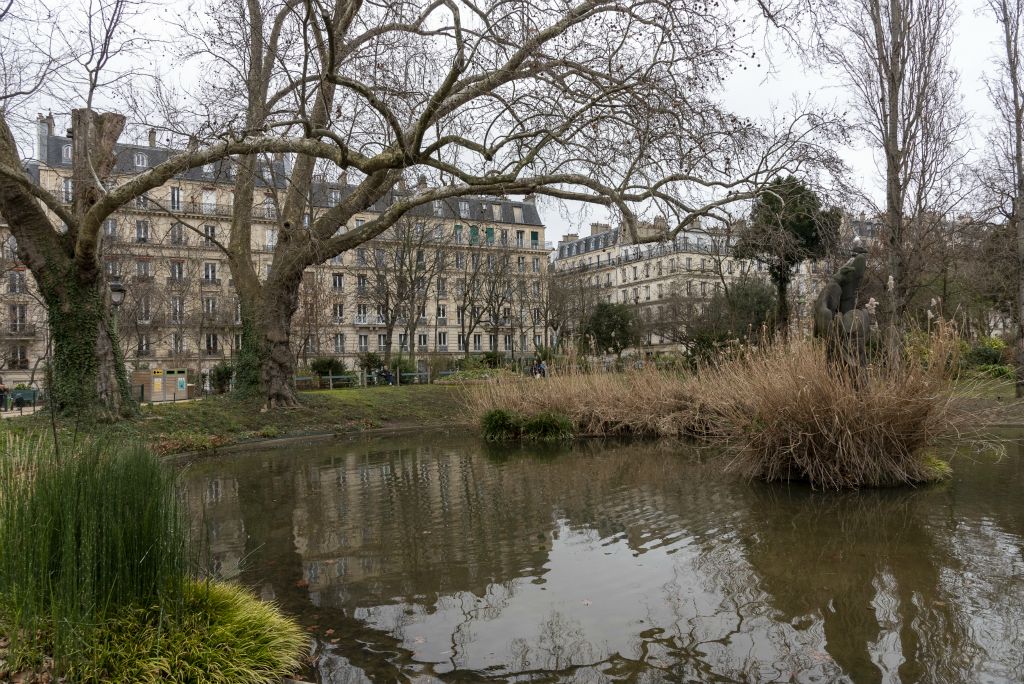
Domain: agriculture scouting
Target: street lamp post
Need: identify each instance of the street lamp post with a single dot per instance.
(117, 293)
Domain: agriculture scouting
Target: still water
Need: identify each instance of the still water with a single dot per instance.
(442, 558)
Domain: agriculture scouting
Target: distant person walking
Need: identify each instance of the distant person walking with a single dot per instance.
(543, 369)
(3, 395)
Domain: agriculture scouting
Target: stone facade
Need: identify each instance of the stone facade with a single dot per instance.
(181, 310)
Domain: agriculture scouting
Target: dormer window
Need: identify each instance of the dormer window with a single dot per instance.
(208, 169)
(141, 160)
(65, 154)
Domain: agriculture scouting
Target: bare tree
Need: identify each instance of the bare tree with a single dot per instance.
(1003, 174)
(895, 56)
(592, 100)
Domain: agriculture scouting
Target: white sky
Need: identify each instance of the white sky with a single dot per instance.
(753, 93)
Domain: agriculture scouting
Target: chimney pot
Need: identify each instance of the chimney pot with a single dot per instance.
(152, 137)
(421, 182)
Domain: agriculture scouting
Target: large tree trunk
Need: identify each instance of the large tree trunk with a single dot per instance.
(782, 307)
(87, 375)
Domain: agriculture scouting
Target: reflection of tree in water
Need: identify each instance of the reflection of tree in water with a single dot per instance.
(790, 582)
(560, 648)
(868, 564)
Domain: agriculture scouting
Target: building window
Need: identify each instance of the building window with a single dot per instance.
(517, 214)
(65, 154)
(508, 343)
(382, 342)
(212, 343)
(338, 282)
(143, 269)
(112, 268)
(208, 169)
(210, 306)
(175, 199)
(442, 311)
(442, 340)
(177, 270)
(364, 344)
(142, 231)
(177, 343)
(143, 347)
(141, 160)
(339, 343)
(110, 229)
(18, 358)
(209, 235)
(210, 271)
(177, 309)
(421, 342)
(462, 342)
(333, 198)
(339, 312)
(463, 209)
(68, 190)
(536, 342)
(17, 283)
(442, 287)
(177, 234)
(478, 342)
(142, 310)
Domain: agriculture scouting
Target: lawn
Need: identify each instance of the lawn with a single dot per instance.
(220, 421)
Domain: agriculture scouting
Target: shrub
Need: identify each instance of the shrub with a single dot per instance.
(502, 426)
(325, 366)
(987, 351)
(220, 377)
(369, 361)
(403, 364)
(547, 427)
(82, 535)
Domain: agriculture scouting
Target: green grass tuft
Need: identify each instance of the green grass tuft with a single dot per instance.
(224, 635)
(502, 426)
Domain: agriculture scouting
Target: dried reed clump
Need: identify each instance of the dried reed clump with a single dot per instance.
(787, 416)
(642, 403)
(781, 412)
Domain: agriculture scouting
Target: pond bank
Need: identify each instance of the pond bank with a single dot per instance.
(218, 422)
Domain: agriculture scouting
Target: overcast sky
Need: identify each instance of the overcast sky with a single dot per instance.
(753, 93)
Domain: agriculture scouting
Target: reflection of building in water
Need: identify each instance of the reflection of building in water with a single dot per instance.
(624, 562)
(373, 527)
(216, 523)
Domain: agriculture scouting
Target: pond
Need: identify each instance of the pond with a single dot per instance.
(442, 558)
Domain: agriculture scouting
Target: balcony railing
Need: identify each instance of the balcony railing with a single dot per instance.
(21, 330)
(214, 352)
(211, 282)
(421, 347)
(442, 347)
(442, 320)
(363, 348)
(179, 282)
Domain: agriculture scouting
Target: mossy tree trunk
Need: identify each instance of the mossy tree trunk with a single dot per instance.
(87, 375)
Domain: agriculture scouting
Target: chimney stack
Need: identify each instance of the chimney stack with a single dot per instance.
(421, 183)
(530, 199)
(152, 137)
(44, 129)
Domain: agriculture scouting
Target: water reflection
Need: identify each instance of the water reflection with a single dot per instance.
(444, 559)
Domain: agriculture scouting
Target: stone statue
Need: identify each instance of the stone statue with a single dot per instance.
(839, 322)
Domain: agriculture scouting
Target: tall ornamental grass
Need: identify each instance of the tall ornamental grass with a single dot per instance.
(780, 413)
(84, 533)
(96, 577)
